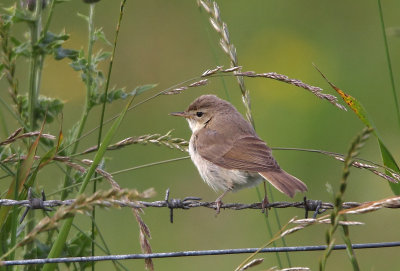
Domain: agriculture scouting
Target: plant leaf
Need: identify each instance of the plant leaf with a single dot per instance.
(359, 110)
(389, 161)
(99, 35)
(61, 53)
(140, 89)
(21, 177)
(64, 231)
(86, 18)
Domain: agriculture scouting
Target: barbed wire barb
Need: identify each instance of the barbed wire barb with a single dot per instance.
(317, 206)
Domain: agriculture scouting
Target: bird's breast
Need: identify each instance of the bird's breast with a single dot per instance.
(219, 178)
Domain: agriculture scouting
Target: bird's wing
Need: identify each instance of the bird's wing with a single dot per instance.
(244, 152)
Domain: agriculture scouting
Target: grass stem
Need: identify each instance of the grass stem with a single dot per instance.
(389, 62)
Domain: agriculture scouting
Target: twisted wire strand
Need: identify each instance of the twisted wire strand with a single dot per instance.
(194, 253)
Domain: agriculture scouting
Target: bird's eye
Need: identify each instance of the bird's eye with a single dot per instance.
(199, 114)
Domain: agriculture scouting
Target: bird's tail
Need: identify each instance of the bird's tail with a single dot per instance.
(284, 182)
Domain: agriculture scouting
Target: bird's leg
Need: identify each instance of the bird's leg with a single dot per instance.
(265, 201)
(218, 201)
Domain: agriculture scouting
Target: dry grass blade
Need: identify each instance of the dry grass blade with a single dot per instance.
(211, 7)
(393, 202)
(296, 269)
(324, 221)
(166, 140)
(103, 173)
(372, 168)
(290, 269)
(179, 90)
(108, 177)
(15, 136)
(273, 239)
(144, 236)
(15, 133)
(252, 263)
(335, 216)
(358, 163)
(75, 166)
(211, 71)
(317, 91)
(82, 204)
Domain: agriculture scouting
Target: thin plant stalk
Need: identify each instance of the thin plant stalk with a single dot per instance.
(62, 237)
(124, 171)
(103, 109)
(349, 247)
(389, 62)
(49, 16)
(34, 82)
(13, 113)
(212, 8)
(278, 258)
(86, 109)
(14, 224)
(3, 123)
(354, 149)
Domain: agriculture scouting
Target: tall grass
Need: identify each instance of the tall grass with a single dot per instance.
(27, 153)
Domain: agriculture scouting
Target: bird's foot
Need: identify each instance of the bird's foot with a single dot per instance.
(218, 202)
(264, 205)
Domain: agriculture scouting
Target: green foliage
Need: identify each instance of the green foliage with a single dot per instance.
(46, 107)
(100, 35)
(21, 163)
(119, 94)
(14, 14)
(361, 113)
(78, 245)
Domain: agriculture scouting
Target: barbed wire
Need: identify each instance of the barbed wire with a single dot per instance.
(316, 206)
(194, 253)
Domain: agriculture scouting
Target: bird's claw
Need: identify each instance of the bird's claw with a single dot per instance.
(264, 205)
(218, 203)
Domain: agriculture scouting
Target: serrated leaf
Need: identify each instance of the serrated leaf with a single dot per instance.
(15, 41)
(141, 89)
(61, 53)
(49, 107)
(102, 56)
(99, 35)
(17, 15)
(51, 38)
(120, 94)
(50, 42)
(23, 49)
(79, 64)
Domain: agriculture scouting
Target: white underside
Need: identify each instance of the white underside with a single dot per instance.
(219, 178)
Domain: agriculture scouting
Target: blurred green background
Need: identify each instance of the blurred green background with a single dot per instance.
(167, 42)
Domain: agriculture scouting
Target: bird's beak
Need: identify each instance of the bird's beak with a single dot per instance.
(180, 114)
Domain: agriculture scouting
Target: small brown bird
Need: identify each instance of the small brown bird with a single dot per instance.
(228, 153)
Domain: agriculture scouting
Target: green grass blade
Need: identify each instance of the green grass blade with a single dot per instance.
(349, 248)
(389, 162)
(359, 110)
(21, 177)
(62, 237)
(389, 62)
